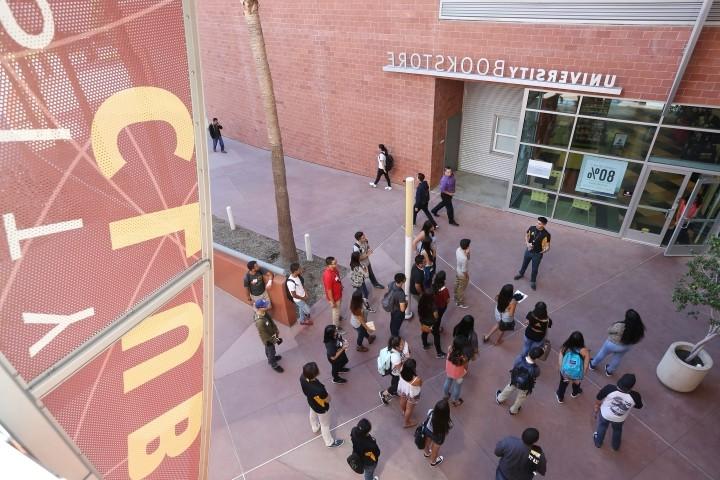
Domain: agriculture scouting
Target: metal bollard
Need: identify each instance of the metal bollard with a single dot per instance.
(231, 219)
(308, 249)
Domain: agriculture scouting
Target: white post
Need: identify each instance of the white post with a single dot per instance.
(409, 254)
(308, 249)
(231, 219)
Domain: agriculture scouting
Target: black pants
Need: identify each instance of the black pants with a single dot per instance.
(371, 274)
(380, 173)
(339, 363)
(446, 201)
(394, 384)
(436, 337)
(424, 208)
(396, 319)
(535, 258)
(562, 386)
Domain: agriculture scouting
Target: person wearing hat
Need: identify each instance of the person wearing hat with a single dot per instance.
(269, 333)
(613, 405)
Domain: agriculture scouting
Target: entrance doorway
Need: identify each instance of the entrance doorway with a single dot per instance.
(654, 211)
(696, 221)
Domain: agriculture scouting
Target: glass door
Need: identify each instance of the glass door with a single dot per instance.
(656, 207)
(696, 220)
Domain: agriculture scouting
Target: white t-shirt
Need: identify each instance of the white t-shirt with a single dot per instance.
(397, 359)
(295, 285)
(381, 161)
(616, 406)
(462, 260)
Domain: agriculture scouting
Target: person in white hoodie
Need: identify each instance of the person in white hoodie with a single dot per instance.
(383, 167)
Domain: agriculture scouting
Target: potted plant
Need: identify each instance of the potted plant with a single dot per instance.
(684, 364)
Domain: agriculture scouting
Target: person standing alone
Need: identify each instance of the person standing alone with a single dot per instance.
(216, 135)
(447, 190)
(385, 164)
(422, 199)
(537, 243)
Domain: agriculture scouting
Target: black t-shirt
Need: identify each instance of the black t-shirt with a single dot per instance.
(538, 238)
(416, 276)
(332, 347)
(534, 323)
(255, 282)
(365, 446)
(317, 396)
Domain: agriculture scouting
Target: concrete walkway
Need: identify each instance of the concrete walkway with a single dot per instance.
(260, 424)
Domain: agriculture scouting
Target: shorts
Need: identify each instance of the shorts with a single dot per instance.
(437, 439)
(413, 400)
(506, 326)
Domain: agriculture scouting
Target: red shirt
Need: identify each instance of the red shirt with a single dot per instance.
(332, 283)
(442, 298)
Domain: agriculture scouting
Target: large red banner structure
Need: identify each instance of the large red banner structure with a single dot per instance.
(101, 208)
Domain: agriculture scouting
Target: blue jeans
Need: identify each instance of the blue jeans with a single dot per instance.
(602, 426)
(529, 345)
(616, 353)
(215, 142)
(369, 472)
(452, 388)
(362, 334)
(302, 309)
(396, 319)
(535, 258)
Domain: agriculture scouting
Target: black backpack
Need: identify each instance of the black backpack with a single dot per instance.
(521, 378)
(287, 290)
(389, 162)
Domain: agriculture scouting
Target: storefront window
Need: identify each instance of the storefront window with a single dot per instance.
(553, 101)
(612, 138)
(687, 116)
(555, 158)
(599, 178)
(547, 129)
(687, 148)
(533, 201)
(595, 215)
(621, 109)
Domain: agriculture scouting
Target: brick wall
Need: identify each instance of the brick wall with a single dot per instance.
(336, 104)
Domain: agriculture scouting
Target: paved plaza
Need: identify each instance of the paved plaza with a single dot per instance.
(260, 418)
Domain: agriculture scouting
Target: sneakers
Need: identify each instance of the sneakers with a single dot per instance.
(533, 285)
(388, 188)
(278, 357)
(435, 213)
(344, 370)
(440, 355)
(427, 347)
(590, 365)
(361, 348)
(455, 224)
(560, 400)
(278, 368)
(461, 305)
(339, 380)
(437, 461)
(384, 399)
(373, 185)
(371, 339)
(607, 372)
(517, 277)
(378, 286)
(511, 412)
(497, 399)
(336, 443)
(575, 394)
(595, 440)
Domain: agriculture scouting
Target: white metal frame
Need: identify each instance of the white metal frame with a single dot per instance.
(497, 134)
(681, 250)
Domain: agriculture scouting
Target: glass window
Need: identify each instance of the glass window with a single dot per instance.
(553, 101)
(687, 148)
(687, 116)
(505, 138)
(527, 153)
(538, 203)
(584, 212)
(547, 129)
(612, 138)
(622, 109)
(603, 179)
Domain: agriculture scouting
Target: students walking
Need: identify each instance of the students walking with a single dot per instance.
(538, 323)
(319, 400)
(422, 199)
(333, 289)
(365, 446)
(358, 274)
(537, 243)
(397, 301)
(269, 333)
(214, 129)
(462, 257)
(358, 319)
(335, 347)
(362, 245)
(573, 361)
(456, 367)
(409, 387)
(505, 305)
(621, 337)
(399, 353)
(436, 427)
(429, 323)
(295, 284)
(447, 191)
(612, 408)
(465, 329)
(520, 458)
(522, 379)
(383, 167)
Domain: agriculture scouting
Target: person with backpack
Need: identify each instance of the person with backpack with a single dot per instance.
(365, 447)
(505, 305)
(385, 163)
(456, 367)
(429, 323)
(621, 337)
(612, 408)
(520, 458)
(573, 360)
(319, 401)
(422, 199)
(538, 323)
(333, 289)
(358, 273)
(409, 388)
(522, 378)
(465, 329)
(257, 280)
(269, 333)
(295, 291)
(441, 296)
(335, 347)
(391, 360)
(436, 427)
(362, 245)
(358, 319)
(447, 191)
(395, 302)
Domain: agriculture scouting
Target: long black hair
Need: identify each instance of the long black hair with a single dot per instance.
(634, 328)
(575, 341)
(356, 303)
(393, 342)
(441, 418)
(465, 327)
(426, 245)
(457, 355)
(426, 306)
(362, 429)
(439, 281)
(329, 333)
(504, 297)
(427, 226)
(354, 260)
(408, 371)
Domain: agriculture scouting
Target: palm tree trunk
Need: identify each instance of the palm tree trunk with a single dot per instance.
(288, 251)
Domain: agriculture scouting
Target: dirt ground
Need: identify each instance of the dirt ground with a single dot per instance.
(268, 250)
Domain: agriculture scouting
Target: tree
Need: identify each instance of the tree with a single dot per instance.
(700, 288)
(288, 251)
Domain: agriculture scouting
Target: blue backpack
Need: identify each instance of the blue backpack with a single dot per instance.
(572, 365)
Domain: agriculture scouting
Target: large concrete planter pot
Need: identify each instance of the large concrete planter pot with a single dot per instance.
(678, 375)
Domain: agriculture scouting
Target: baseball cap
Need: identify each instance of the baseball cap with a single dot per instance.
(261, 303)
